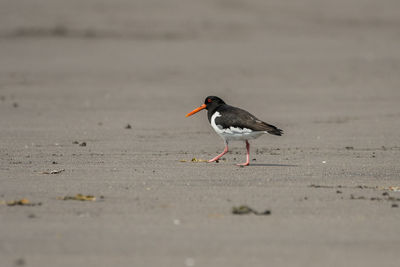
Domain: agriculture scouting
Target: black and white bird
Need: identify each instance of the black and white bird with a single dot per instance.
(234, 124)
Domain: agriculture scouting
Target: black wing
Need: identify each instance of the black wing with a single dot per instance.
(236, 117)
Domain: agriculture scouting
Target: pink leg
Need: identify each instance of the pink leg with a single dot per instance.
(247, 156)
(220, 155)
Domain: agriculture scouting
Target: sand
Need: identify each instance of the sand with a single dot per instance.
(327, 73)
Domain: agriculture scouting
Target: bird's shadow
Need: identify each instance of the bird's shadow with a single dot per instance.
(271, 165)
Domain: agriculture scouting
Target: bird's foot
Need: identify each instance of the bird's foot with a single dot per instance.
(243, 164)
(216, 159)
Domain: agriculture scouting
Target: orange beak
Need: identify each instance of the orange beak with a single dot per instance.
(196, 110)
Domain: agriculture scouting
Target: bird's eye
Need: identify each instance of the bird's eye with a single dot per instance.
(209, 100)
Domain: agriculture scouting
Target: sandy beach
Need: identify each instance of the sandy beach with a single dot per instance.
(93, 97)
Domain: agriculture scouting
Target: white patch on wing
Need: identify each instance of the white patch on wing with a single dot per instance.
(237, 130)
(233, 133)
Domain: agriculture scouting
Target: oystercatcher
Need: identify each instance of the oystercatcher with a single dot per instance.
(233, 123)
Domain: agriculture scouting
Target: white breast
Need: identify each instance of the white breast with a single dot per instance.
(233, 133)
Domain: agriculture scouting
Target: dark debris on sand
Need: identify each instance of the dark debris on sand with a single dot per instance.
(80, 144)
(244, 209)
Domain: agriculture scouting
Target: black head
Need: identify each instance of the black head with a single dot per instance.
(212, 102)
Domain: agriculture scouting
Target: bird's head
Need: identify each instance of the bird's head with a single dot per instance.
(210, 102)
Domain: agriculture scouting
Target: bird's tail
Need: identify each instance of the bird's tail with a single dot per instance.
(271, 129)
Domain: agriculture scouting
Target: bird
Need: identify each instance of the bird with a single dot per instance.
(234, 124)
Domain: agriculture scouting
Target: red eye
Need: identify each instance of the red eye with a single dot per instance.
(209, 100)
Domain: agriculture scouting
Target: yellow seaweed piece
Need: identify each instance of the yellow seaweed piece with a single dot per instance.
(79, 197)
(198, 160)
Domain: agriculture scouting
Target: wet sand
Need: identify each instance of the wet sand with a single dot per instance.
(327, 74)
